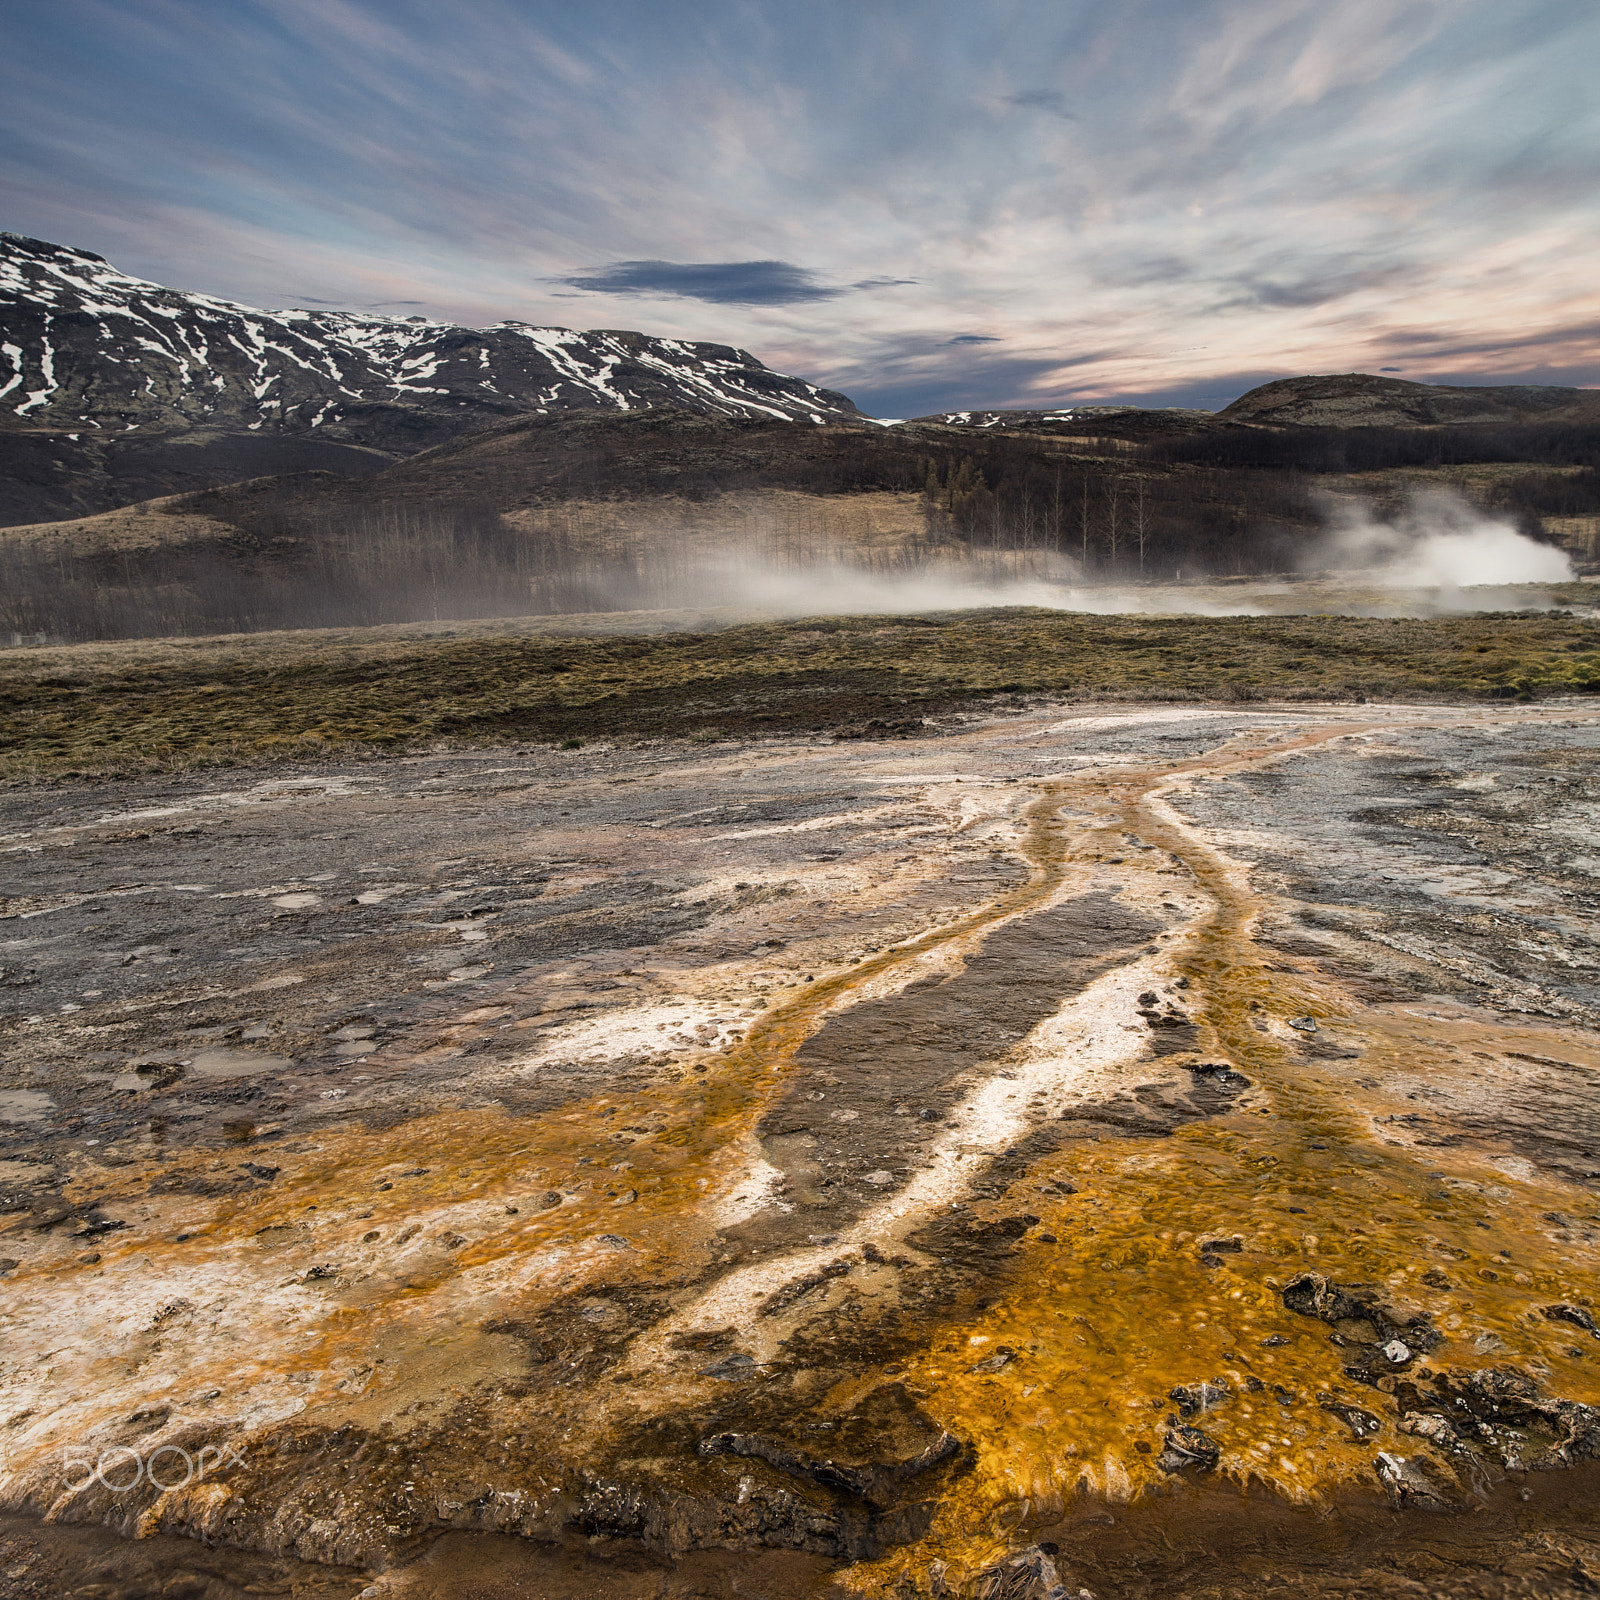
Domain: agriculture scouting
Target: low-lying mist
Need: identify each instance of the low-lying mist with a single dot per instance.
(1436, 555)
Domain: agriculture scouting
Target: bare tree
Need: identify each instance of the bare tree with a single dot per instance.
(1113, 515)
(1083, 523)
(1141, 518)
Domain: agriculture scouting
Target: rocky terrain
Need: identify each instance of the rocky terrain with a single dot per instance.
(113, 389)
(946, 1164)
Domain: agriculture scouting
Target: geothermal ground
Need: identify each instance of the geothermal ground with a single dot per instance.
(1134, 1151)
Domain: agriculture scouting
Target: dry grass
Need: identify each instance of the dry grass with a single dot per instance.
(143, 704)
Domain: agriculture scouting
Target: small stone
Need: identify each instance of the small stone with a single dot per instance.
(1397, 1351)
(1576, 1315)
(1001, 1358)
(1188, 1447)
(1304, 1024)
(736, 1368)
(1192, 1399)
(1363, 1424)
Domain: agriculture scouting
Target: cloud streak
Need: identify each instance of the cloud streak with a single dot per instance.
(1142, 200)
(730, 283)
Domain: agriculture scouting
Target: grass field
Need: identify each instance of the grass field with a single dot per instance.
(143, 704)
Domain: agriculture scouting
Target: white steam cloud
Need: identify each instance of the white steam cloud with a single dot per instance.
(1439, 541)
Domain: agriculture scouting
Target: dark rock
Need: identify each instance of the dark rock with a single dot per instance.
(1220, 1072)
(1028, 1575)
(1192, 1399)
(1188, 1447)
(1362, 1320)
(1363, 1424)
(1501, 1413)
(1418, 1481)
(94, 1227)
(1312, 1295)
(1576, 1315)
(736, 1368)
(875, 1450)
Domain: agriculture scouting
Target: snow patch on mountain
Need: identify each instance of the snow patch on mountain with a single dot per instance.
(85, 343)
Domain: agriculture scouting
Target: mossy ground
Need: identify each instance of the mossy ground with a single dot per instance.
(94, 708)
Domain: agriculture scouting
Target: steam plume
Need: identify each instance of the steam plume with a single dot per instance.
(1439, 541)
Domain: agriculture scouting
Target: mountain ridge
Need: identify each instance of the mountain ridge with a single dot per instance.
(86, 345)
(1370, 400)
(114, 389)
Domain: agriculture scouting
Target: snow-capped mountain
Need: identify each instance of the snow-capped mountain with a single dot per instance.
(83, 346)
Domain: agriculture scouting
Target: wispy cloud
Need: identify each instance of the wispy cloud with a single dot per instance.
(1159, 197)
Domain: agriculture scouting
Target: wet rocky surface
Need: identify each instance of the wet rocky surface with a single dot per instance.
(947, 1165)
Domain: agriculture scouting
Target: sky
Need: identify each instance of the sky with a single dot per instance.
(928, 204)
